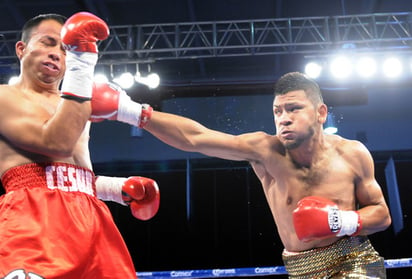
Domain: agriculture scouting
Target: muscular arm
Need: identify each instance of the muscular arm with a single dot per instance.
(61, 132)
(30, 127)
(373, 209)
(189, 135)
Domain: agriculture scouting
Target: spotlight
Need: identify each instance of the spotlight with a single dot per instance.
(100, 78)
(392, 67)
(313, 70)
(330, 130)
(152, 80)
(13, 80)
(341, 67)
(366, 67)
(330, 127)
(125, 80)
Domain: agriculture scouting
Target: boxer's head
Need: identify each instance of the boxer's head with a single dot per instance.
(297, 81)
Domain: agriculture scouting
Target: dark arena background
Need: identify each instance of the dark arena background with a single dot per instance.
(217, 62)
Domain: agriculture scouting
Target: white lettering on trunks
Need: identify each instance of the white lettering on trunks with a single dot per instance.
(69, 179)
(21, 274)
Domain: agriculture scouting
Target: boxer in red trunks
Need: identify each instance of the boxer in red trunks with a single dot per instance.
(52, 221)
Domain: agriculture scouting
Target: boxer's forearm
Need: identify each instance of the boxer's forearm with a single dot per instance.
(188, 135)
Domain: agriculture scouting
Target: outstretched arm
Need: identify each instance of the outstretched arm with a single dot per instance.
(189, 135)
(110, 102)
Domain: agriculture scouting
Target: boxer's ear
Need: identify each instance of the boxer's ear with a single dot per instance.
(322, 113)
(20, 47)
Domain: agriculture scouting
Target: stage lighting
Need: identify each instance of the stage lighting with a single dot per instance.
(392, 67)
(125, 80)
(13, 80)
(366, 67)
(330, 126)
(152, 80)
(313, 70)
(341, 67)
(100, 78)
(330, 130)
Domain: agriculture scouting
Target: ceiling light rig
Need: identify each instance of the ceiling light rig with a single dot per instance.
(361, 67)
(152, 80)
(127, 78)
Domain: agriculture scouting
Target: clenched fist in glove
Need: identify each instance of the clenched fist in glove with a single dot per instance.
(111, 102)
(317, 218)
(80, 35)
(141, 194)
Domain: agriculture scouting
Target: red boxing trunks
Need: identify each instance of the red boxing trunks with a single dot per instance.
(53, 226)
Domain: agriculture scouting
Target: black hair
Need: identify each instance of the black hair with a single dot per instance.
(298, 81)
(35, 21)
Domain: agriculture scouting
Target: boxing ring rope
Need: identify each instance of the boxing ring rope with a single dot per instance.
(243, 272)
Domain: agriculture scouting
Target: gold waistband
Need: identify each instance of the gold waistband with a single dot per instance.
(349, 255)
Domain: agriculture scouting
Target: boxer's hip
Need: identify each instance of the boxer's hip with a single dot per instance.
(53, 176)
(347, 256)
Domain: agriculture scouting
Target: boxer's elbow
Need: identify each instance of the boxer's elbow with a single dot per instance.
(64, 153)
(386, 216)
(60, 152)
(387, 221)
(62, 149)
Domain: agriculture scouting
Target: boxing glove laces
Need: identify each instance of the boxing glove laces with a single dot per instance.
(318, 218)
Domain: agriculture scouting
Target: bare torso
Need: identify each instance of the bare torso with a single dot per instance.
(285, 183)
(299, 161)
(31, 104)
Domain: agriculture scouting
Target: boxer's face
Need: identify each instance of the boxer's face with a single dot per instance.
(43, 56)
(296, 118)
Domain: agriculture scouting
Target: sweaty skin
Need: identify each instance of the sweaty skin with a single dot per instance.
(300, 160)
(46, 169)
(31, 103)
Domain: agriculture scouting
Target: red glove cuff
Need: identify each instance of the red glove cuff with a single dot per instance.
(145, 115)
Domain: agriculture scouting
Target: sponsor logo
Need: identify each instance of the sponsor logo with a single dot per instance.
(69, 179)
(181, 273)
(219, 272)
(268, 270)
(70, 47)
(334, 219)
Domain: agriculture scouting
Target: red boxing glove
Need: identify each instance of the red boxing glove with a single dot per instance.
(82, 31)
(109, 101)
(318, 218)
(142, 195)
(79, 35)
